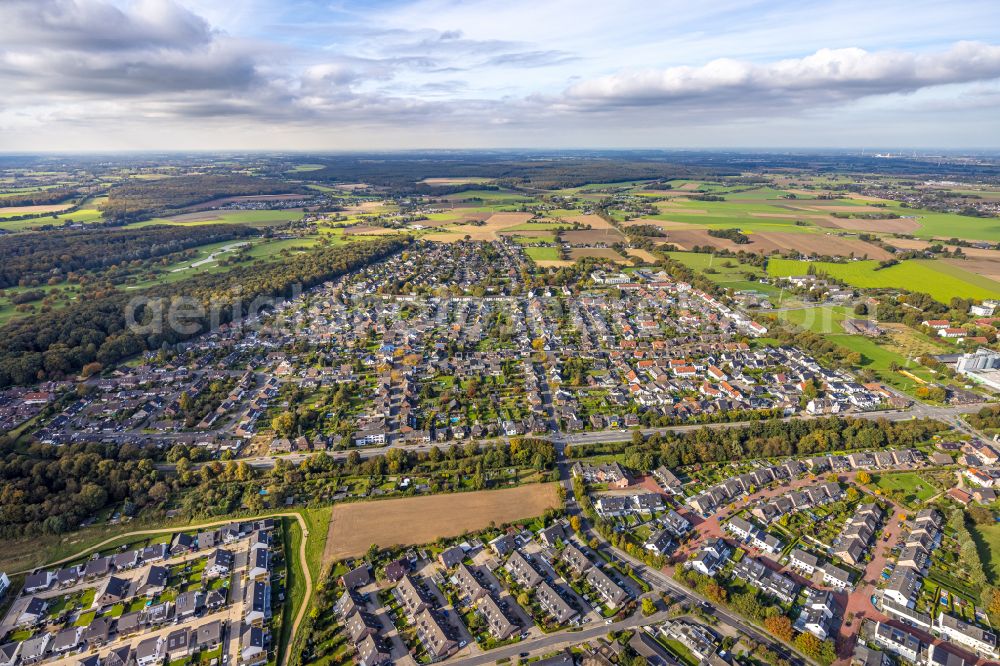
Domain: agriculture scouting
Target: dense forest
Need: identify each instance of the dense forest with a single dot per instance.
(140, 199)
(32, 259)
(53, 344)
(53, 489)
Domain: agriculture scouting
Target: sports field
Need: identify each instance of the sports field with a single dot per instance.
(355, 526)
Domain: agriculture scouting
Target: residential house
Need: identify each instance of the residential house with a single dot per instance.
(983, 641)
(150, 651)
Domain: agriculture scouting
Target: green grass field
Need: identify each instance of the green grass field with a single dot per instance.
(988, 544)
(822, 319)
(880, 359)
(261, 218)
(542, 253)
(942, 281)
(950, 225)
(534, 240)
(915, 489)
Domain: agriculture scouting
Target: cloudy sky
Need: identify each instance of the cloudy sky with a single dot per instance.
(384, 74)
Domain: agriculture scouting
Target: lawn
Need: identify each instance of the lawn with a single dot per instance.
(941, 281)
(988, 543)
(915, 489)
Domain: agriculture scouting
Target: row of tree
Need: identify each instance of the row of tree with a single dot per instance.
(768, 439)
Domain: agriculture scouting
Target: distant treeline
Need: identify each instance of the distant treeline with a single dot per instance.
(30, 259)
(404, 173)
(54, 344)
(140, 199)
(50, 196)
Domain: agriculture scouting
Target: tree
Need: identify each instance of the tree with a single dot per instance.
(715, 592)
(864, 477)
(780, 627)
(981, 515)
(993, 602)
(283, 424)
(648, 607)
(808, 645)
(524, 600)
(575, 523)
(91, 369)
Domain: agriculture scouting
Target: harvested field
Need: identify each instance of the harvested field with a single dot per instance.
(553, 263)
(444, 237)
(986, 267)
(592, 237)
(598, 252)
(355, 526)
(687, 187)
(766, 242)
(897, 226)
(644, 255)
(686, 238)
(594, 221)
(818, 244)
(908, 243)
(34, 210)
(487, 231)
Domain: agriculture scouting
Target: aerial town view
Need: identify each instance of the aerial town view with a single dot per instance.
(499, 334)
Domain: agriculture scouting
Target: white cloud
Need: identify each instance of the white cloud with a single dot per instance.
(825, 77)
(517, 73)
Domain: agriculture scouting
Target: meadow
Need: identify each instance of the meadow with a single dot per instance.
(542, 253)
(254, 218)
(941, 281)
(987, 539)
(821, 319)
